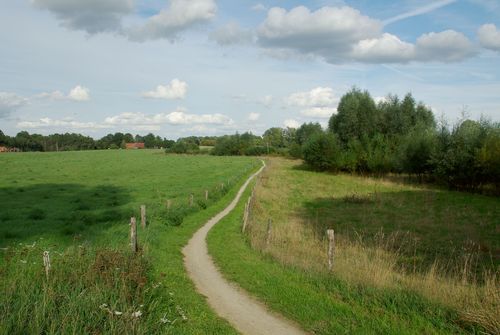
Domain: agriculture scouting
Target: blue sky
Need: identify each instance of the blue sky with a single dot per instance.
(207, 67)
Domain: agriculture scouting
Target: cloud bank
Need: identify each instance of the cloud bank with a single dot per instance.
(343, 34)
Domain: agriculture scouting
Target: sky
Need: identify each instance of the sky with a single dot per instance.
(206, 67)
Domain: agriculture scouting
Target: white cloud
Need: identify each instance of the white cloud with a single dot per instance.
(342, 34)
(92, 16)
(231, 34)
(384, 49)
(328, 32)
(253, 116)
(445, 46)
(489, 37)
(78, 93)
(66, 124)
(259, 7)
(177, 89)
(380, 99)
(55, 95)
(10, 102)
(178, 117)
(319, 112)
(169, 22)
(134, 121)
(291, 123)
(420, 10)
(317, 97)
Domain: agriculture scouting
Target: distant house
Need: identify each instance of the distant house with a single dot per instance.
(134, 146)
(7, 149)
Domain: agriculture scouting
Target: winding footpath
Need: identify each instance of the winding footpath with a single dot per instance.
(245, 314)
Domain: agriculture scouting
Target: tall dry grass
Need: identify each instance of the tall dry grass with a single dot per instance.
(295, 242)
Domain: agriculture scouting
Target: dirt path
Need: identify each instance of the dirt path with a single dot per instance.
(244, 313)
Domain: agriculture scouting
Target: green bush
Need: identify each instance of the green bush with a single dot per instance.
(322, 152)
(415, 152)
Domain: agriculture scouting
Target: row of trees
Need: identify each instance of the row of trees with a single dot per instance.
(70, 141)
(402, 136)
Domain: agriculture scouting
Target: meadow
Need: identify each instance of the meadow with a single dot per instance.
(77, 206)
(409, 259)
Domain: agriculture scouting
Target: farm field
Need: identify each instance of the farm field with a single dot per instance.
(77, 206)
(408, 259)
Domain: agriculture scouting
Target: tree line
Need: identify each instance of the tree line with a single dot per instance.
(71, 141)
(392, 136)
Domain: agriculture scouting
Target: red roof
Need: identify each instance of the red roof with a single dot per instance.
(134, 145)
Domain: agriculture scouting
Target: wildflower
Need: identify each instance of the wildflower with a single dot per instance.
(23, 261)
(136, 314)
(118, 313)
(164, 319)
(181, 312)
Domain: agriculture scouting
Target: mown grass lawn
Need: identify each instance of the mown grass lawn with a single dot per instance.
(77, 206)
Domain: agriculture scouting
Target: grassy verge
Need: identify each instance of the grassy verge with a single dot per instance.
(367, 293)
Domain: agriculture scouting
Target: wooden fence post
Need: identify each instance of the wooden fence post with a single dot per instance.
(46, 263)
(206, 195)
(143, 216)
(133, 234)
(245, 218)
(191, 200)
(331, 247)
(269, 229)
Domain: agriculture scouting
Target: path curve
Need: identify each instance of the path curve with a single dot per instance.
(246, 314)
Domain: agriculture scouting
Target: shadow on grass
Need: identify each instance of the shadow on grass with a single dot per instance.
(421, 225)
(59, 209)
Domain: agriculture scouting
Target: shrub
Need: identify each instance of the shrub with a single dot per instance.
(321, 151)
(415, 152)
(489, 158)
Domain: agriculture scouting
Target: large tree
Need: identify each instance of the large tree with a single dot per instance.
(357, 117)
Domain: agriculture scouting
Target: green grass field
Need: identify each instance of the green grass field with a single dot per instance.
(396, 248)
(77, 206)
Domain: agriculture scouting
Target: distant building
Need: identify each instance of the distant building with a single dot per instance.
(134, 146)
(7, 149)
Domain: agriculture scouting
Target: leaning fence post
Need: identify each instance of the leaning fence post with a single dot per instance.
(133, 234)
(245, 218)
(143, 216)
(269, 229)
(331, 247)
(206, 195)
(46, 263)
(191, 200)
